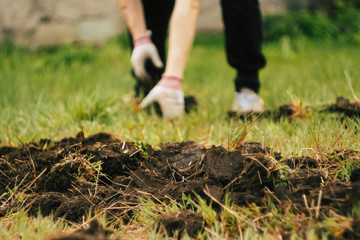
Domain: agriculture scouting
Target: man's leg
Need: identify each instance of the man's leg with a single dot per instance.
(157, 17)
(243, 33)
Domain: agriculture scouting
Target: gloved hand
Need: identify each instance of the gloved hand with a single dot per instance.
(144, 49)
(171, 101)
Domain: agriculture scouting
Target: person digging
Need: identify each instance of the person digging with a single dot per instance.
(243, 51)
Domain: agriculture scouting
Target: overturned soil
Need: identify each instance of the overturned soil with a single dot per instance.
(294, 110)
(93, 232)
(99, 173)
(344, 105)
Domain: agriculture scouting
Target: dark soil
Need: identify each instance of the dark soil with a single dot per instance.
(295, 110)
(183, 222)
(98, 173)
(190, 103)
(290, 111)
(94, 232)
(343, 105)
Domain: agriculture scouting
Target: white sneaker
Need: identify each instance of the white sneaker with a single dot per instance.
(171, 101)
(247, 101)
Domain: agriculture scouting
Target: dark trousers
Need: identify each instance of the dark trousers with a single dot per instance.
(242, 20)
(243, 34)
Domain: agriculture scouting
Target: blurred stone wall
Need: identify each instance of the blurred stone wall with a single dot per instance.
(36, 23)
(46, 22)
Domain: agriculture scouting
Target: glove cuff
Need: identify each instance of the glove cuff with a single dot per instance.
(170, 82)
(145, 39)
(172, 78)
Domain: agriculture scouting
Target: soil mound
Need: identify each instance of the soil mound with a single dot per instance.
(183, 222)
(99, 173)
(344, 105)
(295, 110)
(94, 232)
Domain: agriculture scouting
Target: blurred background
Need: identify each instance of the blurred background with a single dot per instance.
(64, 66)
(35, 23)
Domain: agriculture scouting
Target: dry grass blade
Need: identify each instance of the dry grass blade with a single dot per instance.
(349, 80)
(317, 213)
(306, 204)
(272, 194)
(5, 175)
(256, 160)
(235, 179)
(31, 160)
(235, 214)
(13, 191)
(33, 181)
(87, 199)
(97, 181)
(243, 134)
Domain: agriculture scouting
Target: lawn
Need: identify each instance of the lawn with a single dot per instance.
(56, 92)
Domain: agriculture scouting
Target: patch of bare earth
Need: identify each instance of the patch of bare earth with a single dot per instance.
(98, 173)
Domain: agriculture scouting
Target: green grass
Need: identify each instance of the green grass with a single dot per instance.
(19, 226)
(55, 92)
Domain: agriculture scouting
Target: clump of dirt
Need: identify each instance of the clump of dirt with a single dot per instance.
(94, 232)
(46, 203)
(190, 103)
(99, 173)
(355, 188)
(290, 111)
(181, 222)
(344, 105)
(245, 173)
(355, 175)
(295, 110)
(356, 227)
(301, 162)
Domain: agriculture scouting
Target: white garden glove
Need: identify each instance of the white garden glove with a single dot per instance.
(171, 101)
(144, 49)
